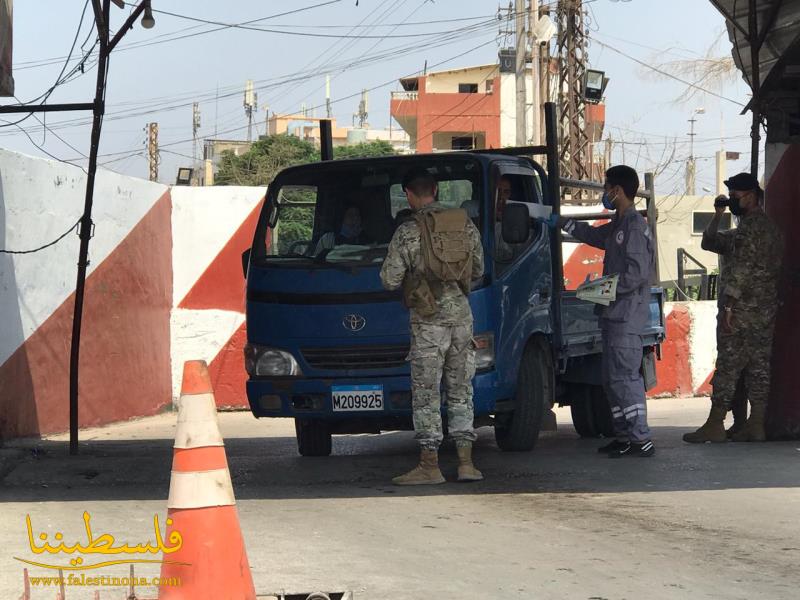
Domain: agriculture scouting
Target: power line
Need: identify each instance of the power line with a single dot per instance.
(667, 74)
(53, 243)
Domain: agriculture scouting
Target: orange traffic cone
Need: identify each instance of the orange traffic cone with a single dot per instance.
(211, 561)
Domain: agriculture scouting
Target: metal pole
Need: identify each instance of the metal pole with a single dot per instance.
(519, 10)
(755, 84)
(681, 280)
(536, 124)
(85, 230)
(652, 221)
(21, 108)
(554, 188)
(325, 139)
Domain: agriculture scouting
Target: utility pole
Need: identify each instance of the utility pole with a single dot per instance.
(195, 128)
(152, 150)
(363, 110)
(571, 47)
(522, 97)
(691, 164)
(250, 106)
(328, 111)
(536, 70)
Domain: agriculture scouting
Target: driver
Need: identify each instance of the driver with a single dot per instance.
(350, 234)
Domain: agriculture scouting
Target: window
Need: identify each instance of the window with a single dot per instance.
(701, 219)
(292, 235)
(453, 193)
(490, 86)
(467, 88)
(464, 142)
(512, 187)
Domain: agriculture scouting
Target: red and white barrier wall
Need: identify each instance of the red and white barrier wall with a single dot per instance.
(165, 285)
(211, 227)
(125, 347)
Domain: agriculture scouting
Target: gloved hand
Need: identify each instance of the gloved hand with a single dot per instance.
(551, 221)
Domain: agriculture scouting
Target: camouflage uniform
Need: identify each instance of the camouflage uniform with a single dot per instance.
(440, 344)
(750, 269)
(721, 243)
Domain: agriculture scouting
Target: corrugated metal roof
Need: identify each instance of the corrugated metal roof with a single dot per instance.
(780, 47)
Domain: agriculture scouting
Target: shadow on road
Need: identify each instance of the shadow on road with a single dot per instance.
(362, 466)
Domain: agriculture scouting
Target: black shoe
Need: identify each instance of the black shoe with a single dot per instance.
(612, 447)
(642, 450)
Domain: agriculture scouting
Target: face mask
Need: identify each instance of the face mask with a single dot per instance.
(608, 202)
(735, 206)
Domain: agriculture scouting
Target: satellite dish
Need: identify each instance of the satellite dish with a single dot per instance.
(544, 30)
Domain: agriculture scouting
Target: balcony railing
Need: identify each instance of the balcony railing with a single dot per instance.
(405, 95)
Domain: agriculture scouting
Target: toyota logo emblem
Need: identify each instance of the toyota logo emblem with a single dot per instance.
(354, 322)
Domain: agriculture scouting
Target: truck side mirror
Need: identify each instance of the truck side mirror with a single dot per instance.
(515, 227)
(245, 261)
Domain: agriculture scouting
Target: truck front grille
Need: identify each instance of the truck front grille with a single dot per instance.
(356, 357)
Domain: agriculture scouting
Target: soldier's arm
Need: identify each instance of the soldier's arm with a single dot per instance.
(638, 250)
(583, 232)
(720, 242)
(477, 251)
(395, 266)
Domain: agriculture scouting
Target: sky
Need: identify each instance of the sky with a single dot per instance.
(156, 74)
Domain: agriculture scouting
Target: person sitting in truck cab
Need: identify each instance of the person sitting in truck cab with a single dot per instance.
(351, 232)
(504, 252)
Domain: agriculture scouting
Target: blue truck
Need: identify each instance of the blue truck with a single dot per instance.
(327, 345)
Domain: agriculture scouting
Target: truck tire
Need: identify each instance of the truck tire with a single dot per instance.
(313, 437)
(591, 414)
(519, 430)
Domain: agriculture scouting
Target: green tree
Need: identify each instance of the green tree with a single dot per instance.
(265, 159)
(271, 154)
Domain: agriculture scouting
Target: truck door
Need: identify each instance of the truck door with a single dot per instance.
(521, 272)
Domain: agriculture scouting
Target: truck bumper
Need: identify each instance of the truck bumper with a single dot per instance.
(311, 398)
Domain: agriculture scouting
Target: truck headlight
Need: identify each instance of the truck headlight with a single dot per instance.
(261, 361)
(484, 351)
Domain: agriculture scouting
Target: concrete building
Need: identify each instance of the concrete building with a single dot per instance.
(472, 107)
(308, 128)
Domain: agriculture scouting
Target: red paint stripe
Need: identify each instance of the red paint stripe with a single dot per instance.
(221, 286)
(783, 206)
(227, 372)
(125, 345)
(206, 458)
(673, 371)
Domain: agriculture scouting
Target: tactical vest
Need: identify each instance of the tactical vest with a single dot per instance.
(446, 253)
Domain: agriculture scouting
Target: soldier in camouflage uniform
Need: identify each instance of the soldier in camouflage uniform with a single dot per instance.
(441, 343)
(749, 298)
(721, 243)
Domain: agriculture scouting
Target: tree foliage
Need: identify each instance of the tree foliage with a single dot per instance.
(271, 154)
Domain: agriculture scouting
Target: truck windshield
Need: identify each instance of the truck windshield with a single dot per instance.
(347, 214)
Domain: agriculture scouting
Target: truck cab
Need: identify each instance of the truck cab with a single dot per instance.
(328, 346)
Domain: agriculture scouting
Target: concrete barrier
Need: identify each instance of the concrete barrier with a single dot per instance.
(165, 286)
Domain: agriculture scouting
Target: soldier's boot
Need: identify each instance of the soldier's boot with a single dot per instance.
(713, 430)
(425, 473)
(753, 430)
(467, 470)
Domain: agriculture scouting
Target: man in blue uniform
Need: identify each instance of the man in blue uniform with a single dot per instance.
(629, 253)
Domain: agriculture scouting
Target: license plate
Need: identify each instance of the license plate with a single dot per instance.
(357, 397)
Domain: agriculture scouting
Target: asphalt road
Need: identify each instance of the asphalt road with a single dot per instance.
(561, 522)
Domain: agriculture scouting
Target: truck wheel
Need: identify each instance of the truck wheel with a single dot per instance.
(313, 437)
(603, 421)
(580, 405)
(519, 430)
(591, 415)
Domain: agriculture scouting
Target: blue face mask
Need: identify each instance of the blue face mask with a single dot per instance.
(608, 202)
